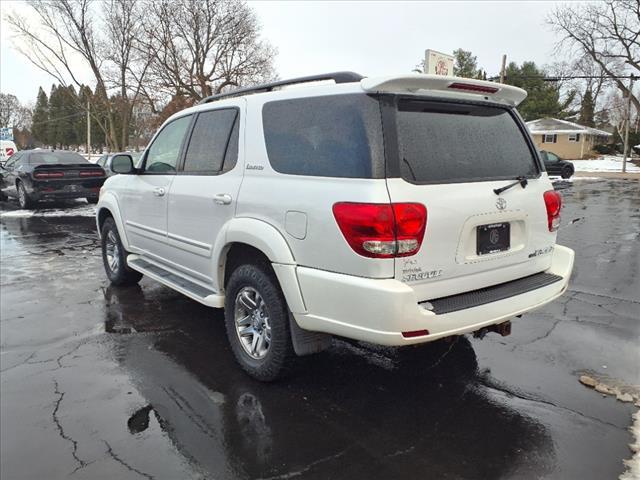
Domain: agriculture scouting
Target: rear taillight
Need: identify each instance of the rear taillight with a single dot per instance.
(470, 87)
(553, 202)
(48, 175)
(92, 173)
(382, 230)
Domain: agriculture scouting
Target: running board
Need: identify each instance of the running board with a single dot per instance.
(201, 294)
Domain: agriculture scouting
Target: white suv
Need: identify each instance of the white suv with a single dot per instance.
(395, 210)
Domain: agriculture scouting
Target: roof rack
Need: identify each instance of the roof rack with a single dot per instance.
(338, 77)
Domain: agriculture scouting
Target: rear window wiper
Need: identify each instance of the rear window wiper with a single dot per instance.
(522, 180)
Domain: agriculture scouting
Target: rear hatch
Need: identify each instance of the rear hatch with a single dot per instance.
(450, 156)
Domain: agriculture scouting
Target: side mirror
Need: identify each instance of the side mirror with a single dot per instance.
(122, 164)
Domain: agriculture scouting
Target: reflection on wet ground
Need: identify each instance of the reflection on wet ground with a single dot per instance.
(105, 382)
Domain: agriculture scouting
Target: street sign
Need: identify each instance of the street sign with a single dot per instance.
(437, 63)
(6, 133)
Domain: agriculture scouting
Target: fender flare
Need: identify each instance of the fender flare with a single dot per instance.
(267, 239)
(258, 234)
(109, 202)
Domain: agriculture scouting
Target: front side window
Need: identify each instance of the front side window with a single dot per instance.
(330, 136)
(210, 142)
(445, 142)
(164, 152)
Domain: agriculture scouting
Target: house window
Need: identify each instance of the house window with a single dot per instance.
(574, 137)
(549, 138)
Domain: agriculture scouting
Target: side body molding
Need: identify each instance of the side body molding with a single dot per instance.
(266, 238)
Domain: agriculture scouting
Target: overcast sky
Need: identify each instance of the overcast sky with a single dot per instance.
(367, 37)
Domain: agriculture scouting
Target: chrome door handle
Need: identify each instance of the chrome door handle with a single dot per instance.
(222, 199)
(159, 191)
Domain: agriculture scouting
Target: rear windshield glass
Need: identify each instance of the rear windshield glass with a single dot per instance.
(53, 158)
(443, 142)
(329, 136)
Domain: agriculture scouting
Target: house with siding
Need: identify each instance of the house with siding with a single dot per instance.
(566, 139)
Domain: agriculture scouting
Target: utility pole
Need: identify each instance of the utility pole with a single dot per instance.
(503, 68)
(88, 131)
(626, 126)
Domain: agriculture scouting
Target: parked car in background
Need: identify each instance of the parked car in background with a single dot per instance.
(105, 160)
(7, 148)
(556, 166)
(35, 175)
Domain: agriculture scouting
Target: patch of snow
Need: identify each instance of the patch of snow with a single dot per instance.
(607, 163)
(633, 464)
(81, 211)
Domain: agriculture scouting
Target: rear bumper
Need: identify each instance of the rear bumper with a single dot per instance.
(378, 311)
(51, 193)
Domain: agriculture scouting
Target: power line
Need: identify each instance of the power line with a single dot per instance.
(59, 118)
(565, 77)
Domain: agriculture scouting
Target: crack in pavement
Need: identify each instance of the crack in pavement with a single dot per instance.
(81, 463)
(533, 399)
(26, 360)
(604, 296)
(302, 471)
(125, 464)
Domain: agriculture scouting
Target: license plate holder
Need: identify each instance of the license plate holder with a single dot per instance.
(493, 238)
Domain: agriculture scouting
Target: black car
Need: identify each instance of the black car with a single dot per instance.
(556, 166)
(34, 175)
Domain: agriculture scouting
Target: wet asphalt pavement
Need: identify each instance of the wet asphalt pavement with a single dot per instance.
(102, 382)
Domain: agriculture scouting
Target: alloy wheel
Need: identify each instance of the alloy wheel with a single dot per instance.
(112, 251)
(252, 323)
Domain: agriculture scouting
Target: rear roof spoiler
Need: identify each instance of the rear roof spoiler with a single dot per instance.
(454, 87)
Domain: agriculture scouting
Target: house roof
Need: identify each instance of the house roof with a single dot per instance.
(557, 126)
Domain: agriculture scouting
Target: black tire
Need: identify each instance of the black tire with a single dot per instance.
(92, 200)
(24, 200)
(566, 172)
(117, 270)
(278, 357)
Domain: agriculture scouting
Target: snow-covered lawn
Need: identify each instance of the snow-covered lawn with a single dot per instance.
(607, 163)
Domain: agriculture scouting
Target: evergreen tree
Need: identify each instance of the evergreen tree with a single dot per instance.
(465, 64)
(543, 98)
(587, 109)
(70, 113)
(55, 112)
(40, 118)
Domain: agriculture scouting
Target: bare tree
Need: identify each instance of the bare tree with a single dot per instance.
(606, 32)
(67, 39)
(200, 47)
(128, 59)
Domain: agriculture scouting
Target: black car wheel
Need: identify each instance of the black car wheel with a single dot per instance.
(114, 256)
(567, 172)
(24, 200)
(93, 200)
(257, 322)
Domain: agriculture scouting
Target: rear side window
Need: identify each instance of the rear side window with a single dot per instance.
(330, 136)
(214, 136)
(442, 142)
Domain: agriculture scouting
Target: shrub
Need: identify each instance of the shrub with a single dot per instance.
(604, 148)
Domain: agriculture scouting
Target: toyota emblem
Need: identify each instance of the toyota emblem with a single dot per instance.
(501, 204)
